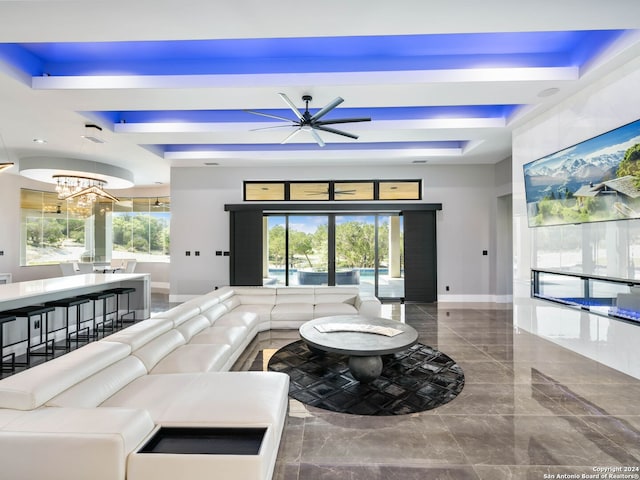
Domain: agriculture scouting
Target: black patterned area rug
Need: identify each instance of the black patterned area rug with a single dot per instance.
(417, 379)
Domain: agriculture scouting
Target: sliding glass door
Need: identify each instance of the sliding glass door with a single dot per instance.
(335, 249)
(390, 273)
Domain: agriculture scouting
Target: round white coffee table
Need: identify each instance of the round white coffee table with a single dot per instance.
(363, 339)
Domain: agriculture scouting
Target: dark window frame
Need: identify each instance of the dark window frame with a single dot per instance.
(332, 188)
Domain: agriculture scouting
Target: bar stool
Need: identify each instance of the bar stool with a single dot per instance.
(6, 319)
(29, 312)
(123, 291)
(103, 297)
(68, 304)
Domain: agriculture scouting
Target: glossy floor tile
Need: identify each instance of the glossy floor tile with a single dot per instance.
(530, 409)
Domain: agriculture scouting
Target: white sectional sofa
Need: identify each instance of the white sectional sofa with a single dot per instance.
(86, 415)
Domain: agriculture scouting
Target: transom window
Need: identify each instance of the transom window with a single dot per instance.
(332, 190)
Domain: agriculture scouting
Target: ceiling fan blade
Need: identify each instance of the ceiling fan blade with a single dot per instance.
(274, 126)
(345, 192)
(293, 134)
(291, 106)
(317, 137)
(269, 115)
(327, 109)
(337, 132)
(342, 120)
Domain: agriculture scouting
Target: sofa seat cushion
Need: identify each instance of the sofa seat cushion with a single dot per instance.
(292, 311)
(208, 399)
(8, 415)
(33, 387)
(72, 444)
(194, 359)
(329, 309)
(232, 336)
(130, 425)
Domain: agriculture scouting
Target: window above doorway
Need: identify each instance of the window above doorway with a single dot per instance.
(332, 190)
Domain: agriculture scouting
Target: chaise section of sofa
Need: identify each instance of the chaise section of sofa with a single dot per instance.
(72, 443)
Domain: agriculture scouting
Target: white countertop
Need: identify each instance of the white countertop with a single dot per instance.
(34, 288)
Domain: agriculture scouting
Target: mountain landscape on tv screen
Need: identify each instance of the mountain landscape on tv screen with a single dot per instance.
(596, 180)
(570, 175)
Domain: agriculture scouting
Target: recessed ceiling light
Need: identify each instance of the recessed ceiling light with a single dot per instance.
(39, 140)
(548, 92)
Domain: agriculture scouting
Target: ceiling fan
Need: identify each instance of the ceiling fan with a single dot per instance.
(311, 123)
(326, 192)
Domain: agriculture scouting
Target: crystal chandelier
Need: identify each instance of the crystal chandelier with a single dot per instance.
(84, 190)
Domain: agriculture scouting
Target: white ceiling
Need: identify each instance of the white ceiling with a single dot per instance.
(51, 108)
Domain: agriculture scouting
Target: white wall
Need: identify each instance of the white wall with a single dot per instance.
(466, 224)
(611, 102)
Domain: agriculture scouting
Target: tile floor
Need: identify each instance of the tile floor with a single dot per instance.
(529, 410)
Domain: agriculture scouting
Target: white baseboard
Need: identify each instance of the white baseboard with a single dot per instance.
(475, 298)
(160, 287)
(503, 298)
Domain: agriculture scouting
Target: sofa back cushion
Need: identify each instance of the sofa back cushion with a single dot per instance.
(336, 295)
(140, 333)
(256, 295)
(214, 312)
(295, 295)
(191, 327)
(224, 293)
(207, 301)
(231, 302)
(33, 387)
(180, 314)
(154, 351)
(94, 390)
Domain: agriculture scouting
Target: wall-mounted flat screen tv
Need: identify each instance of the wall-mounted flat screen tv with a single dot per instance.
(594, 181)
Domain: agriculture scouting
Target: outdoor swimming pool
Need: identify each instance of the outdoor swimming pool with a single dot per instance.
(387, 287)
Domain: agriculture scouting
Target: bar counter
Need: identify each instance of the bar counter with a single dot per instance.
(37, 292)
(21, 294)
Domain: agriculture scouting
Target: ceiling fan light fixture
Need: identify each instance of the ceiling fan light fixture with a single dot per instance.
(311, 123)
(93, 133)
